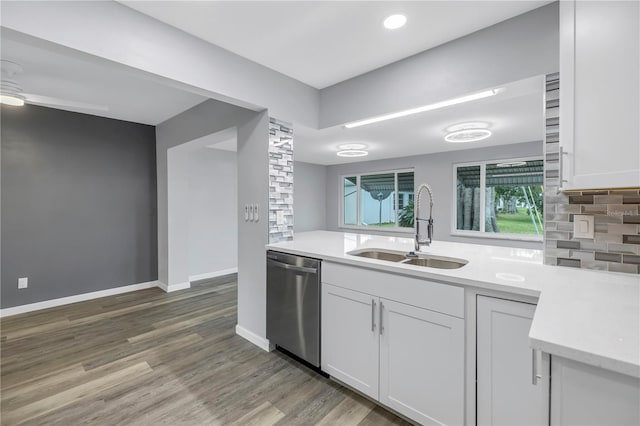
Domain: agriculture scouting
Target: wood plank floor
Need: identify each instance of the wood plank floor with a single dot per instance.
(149, 357)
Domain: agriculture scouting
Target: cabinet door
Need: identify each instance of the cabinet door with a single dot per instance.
(350, 344)
(600, 93)
(505, 366)
(589, 396)
(422, 363)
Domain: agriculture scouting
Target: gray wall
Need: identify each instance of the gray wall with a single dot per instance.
(253, 177)
(309, 197)
(78, 197)
(524, 46)
(213, 219)
(436, 170)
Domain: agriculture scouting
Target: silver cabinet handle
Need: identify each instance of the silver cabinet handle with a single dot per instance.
(560, 167)
(373, 315)
(381, 308)
(536, 366)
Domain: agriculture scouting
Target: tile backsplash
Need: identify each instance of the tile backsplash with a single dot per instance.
(616, 243)
(280, 181)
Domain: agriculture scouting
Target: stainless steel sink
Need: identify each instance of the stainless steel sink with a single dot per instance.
(389, 256)
(426, 261)
(433, 262)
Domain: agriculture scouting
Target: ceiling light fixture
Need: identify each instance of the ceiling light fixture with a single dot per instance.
(394, 22)
(468, 135)
(352, 153)
(430, 107)
(348, 146)
(13, 100)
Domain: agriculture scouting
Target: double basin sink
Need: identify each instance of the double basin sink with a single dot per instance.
(423, 260)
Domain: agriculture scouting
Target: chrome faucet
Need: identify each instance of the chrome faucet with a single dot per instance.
(418, 219)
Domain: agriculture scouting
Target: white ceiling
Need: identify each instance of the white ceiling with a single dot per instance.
(64, 74)
(322, 43)
(514, 116)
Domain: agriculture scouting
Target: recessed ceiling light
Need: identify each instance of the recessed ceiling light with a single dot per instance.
(394, 22)
(352, 153)
(11, 100)
(352, 146)
(468, 135)
(512, 164)
(430, 107)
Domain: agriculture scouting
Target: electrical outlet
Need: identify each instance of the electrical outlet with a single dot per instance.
(23, 282)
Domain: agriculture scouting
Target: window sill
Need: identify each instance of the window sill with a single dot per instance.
(493, 236)
(374, 229)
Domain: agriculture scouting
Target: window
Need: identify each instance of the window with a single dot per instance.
(500, 199)
(381, 200)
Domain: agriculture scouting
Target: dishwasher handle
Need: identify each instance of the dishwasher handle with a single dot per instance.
(292, 267)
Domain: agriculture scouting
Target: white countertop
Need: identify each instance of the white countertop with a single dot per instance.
(588, 316)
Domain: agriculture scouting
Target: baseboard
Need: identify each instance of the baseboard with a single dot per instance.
(215, 274)
(260, 342)
(6, 312)
(174, 287)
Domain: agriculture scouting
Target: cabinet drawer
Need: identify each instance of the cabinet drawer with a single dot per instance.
(443, 298)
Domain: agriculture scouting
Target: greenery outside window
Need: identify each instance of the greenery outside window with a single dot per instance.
(381, 200)
(499, 199)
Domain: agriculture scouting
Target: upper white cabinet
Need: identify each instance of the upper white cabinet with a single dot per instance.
(512, 380)
(600, 94)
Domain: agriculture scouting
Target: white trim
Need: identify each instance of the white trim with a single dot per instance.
(174, 287)
(214, 274)
(76, 298)
(260, 342)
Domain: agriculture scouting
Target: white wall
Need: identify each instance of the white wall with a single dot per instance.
(309, 197)
(437, 170)
(212, 204)
(520, 47)
(112, 31)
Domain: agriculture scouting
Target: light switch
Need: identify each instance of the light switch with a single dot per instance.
(583, 226)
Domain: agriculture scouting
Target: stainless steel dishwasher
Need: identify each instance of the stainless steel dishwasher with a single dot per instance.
(293, 305)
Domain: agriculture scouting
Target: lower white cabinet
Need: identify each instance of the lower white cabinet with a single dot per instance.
(508, 391)
(586, 395)
(422, 363)
(408, 358)
(349, 347)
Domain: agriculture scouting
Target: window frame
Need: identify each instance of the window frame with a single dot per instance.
(483, 176)
(358, 175)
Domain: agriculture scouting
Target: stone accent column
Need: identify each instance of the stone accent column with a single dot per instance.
(280, 181)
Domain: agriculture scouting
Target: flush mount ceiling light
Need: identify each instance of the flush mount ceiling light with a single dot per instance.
(512, 164)
(468, 135)
(430, 107)
(352, 146)
(393, 22)
(13, 100)
(352, 153)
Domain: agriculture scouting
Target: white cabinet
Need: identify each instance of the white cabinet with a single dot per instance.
(350, 339)
(600, 94)
(585, 395)
(408, 358)
(422, 363)
(507, 391)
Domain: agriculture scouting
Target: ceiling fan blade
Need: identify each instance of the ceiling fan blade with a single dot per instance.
(56, 102)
